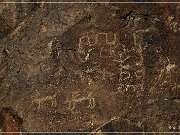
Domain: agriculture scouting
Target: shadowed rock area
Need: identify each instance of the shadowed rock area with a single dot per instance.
(90, 67)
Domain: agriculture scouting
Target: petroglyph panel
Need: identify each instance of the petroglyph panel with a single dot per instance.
(81, 65)
(101, 50)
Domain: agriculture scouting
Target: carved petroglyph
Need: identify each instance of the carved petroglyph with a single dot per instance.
(130, 88)
(107, 45)
(125, 75)
(138, 43)
(174, 26)
(137, 36)
(164, 75)
(76, 98)
(138, 66)
(40, 101)
(92, 40)
(170, 66)
(139, 74)
(84, 41)
(106, 36)
(50, 47)
(131, 75)
(107, 42)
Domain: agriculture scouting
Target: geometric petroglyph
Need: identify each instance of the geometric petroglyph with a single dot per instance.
(104, 46)
(104, 41)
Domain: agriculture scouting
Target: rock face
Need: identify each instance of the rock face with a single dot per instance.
(93, 67)
(10, 121)
(12, 14)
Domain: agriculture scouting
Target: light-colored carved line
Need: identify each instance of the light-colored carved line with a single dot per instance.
(44, 99)
(106, 38)
(160, 77)
(139, 72)
(164, 73)
(88, 54)
(133, 86)
(97, 35)
(81, 44)
(114, 41)
(80, 49)
(120, 68)
(75, 99)
(126, 73)
(137, 44)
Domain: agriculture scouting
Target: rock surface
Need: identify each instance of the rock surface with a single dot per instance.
(92, 67)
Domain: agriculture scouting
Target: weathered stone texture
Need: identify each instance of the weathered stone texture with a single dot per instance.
(93, 67)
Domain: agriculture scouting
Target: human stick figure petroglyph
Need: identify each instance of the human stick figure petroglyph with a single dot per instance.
(75, 99)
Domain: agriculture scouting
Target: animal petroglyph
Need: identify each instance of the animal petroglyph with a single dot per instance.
(40, 101)
(76, 99)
